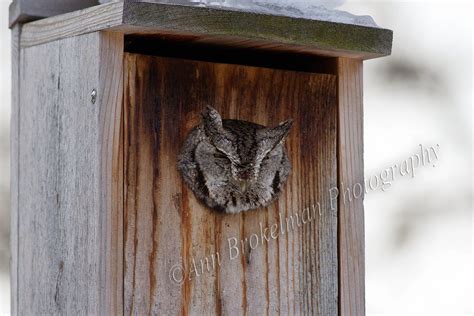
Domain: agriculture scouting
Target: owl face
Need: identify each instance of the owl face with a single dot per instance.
(234, 165)
(243, 144)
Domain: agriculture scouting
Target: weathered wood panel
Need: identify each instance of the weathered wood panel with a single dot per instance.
(98, 18)
(166, 227)
(351, 177)
(110, 103)
(14, 170)
(27, 10)
(228, 28)
(69, 210)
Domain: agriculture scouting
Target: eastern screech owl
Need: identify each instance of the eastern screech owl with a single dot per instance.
(234, 166)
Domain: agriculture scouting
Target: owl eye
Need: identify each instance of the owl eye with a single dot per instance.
(220, 155)
(267, 156)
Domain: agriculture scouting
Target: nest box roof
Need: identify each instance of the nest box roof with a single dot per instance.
(325, 36)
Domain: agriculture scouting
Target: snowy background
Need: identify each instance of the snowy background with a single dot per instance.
(419, 232)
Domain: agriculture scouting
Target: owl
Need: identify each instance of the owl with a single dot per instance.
(233, 166)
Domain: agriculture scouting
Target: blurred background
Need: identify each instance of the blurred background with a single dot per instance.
(418, 232)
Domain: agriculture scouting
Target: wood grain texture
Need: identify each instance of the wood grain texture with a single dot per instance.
(27, 10)
(69, 184)
(228, 28)
(110, 101)
(14, 161)
(76, 23)
(350, 174)
(165, 226)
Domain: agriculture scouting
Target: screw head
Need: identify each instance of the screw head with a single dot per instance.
(93, 96)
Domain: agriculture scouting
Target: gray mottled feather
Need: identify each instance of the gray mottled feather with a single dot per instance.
(234, 166)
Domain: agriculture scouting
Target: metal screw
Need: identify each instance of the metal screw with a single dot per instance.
(93, 96)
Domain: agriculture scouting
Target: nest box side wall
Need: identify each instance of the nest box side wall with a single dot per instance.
(66, 178)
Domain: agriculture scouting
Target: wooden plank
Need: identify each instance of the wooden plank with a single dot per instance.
(68, 226)
(166, 227)
(350, 176)
(14, 161)
(110, 96)
(228, 28)
(73, 24)
(22, 11)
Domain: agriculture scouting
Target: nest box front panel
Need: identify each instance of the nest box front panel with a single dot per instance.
(182, 256)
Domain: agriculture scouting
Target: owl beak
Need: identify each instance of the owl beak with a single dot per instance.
(244, 185)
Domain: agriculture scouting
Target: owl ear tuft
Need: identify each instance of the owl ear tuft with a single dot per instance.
(272, 136)
(212, 121)
(213, 129)
(280, 132)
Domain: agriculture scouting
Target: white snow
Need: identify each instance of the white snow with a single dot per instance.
(322, 10)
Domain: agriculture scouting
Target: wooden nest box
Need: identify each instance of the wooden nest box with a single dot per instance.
(102, 222)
